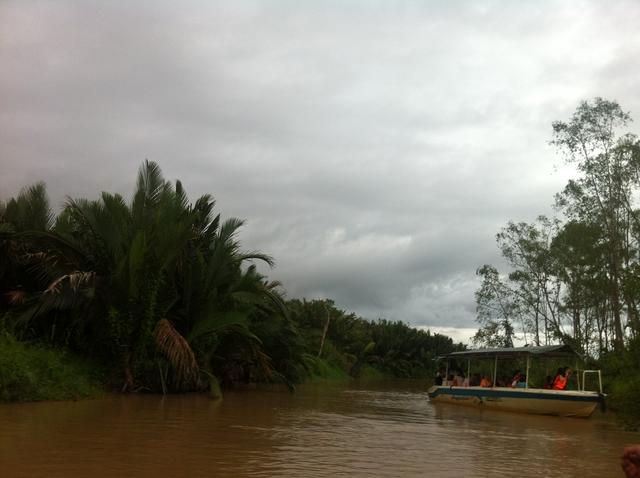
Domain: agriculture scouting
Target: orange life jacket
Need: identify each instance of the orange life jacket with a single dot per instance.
(485, 383)
(560, 383)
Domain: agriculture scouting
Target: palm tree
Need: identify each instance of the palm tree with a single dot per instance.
(217, 298)
(29, 211)
(158, 275)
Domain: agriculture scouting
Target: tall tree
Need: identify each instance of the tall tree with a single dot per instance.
(579, 254)
(537, 288)
(603, 192)
(496, 310)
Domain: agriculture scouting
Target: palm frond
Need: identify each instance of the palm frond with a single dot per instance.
(253, 288)
(56, 245)
(16, 297)
(256, 255)
(181, 198)
(203, 209)
(33, 256)
(75, 280)
(30, 210)
(236, 319)
(114, 223)
(149, 188)
(274, 284)
(177, 350)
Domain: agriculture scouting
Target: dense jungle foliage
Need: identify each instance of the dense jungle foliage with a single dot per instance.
(576, 279)
(158, 295)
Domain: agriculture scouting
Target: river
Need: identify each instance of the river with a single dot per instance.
(327, 430)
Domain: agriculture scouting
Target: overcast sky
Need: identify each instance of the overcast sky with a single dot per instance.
(374, 148)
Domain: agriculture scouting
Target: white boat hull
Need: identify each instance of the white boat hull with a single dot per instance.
(566, 403)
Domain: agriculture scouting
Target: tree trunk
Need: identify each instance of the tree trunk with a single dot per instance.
(324, 332)
(634, 318)
(615, 305)
(576, 326)
(537, 323)
(128, 385)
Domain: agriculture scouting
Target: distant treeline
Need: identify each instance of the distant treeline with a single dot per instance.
(157, 294)
(576, 279)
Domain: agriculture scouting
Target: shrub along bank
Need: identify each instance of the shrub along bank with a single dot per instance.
(37, 372)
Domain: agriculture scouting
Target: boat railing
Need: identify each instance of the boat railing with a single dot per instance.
(582, 383)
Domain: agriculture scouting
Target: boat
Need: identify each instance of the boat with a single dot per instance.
(565, 403)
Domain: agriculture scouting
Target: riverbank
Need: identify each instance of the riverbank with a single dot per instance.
(36, 372)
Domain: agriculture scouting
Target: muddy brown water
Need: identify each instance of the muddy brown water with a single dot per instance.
(327, 430)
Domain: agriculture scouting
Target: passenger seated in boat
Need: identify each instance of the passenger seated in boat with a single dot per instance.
(561, 380)
(522, 381)
(439, 377)
(517, 377)
(570, 382)
(559, 373)
(548, 382)
(485, 382)
(474, 381)
(459, 379)
(450, 381)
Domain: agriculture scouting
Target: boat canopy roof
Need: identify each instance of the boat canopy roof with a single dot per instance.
(512, 352)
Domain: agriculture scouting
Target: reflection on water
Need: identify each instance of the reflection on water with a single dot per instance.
(386, 429)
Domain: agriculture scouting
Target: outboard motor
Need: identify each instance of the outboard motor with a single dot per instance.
(601, 401)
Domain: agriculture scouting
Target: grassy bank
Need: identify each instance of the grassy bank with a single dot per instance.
(321, 370)
(35, 372)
